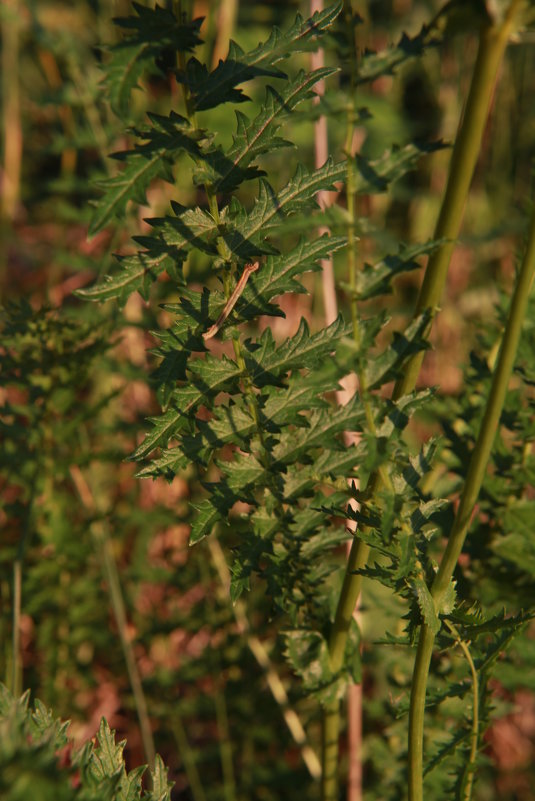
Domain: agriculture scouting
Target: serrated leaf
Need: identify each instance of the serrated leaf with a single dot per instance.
(168, 137)
(219, 86)
(426, 604)
(387, 366)
(257, 137)
(245, 233)
(130, 184)
(211, 511)
(137, 273)
(323, 426)
(374, 176)
(107, 759)
(268, 361)
(277, 275)
(242, 473)
(373, 65)
(209, 375)
(308, 654)
(161, 786)
(376, 279)
(150, 34)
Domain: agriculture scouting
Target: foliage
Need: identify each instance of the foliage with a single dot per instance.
(37, 758)
(248, 427)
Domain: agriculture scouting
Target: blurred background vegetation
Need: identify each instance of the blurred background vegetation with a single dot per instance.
(75, 388)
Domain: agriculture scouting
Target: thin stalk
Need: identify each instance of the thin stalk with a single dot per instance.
(16, 664)
(111, 573)
(474, 737)
(225, 746)
(474, 479)
(11, 115)
(261, 655)
(493, 40)
(226, 19)
(188, 759)
(321, 154)
(492, 43)
(220, 704)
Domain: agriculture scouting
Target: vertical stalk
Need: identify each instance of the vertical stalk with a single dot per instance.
(188, 759)
(261, 655)
(118, 606)
(16, 664)
(12, 156)
(492, 43)
(474, 479)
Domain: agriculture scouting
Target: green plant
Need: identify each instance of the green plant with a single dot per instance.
(252, 420)
(38, 759)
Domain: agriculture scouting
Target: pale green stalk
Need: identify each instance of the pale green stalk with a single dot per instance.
(188, 759)
(474, 736)
(474, 479)
(493, 40)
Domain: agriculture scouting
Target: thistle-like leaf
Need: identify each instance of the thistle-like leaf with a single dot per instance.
(374, 65)
(212, 89)
(149, 35)
(137, 273)
(253, 139)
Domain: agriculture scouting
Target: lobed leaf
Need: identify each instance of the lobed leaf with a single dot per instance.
(210, 89)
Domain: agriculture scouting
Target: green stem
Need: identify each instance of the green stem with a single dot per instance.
(188, 758)
(16, 665)
(476, 472)
(493, 40)
(492, 43)
(468, 781)
(111, 573)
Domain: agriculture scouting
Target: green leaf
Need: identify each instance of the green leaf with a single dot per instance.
(253, 139)
(130, 184)
(267, 361)
(277, 275)
(426, 604)
(374, 176)
(208, 376)
(150, 34)
(161, 786)
(107, 758)
(168, 137)
(376, 279)
(322, 426)
(373, 65)
(219, 86)
(387, 366)
(138, 272)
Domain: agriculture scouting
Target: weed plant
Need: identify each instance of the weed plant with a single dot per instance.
(300, 491)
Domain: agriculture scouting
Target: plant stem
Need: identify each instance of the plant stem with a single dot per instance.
(468, 782)
(11, 121)
(261, 655)
(493, 40)
(188, 759)
(111, 573)
(474, 479)
(16, 665)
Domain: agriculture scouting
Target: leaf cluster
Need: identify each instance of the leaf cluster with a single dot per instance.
(37, 758)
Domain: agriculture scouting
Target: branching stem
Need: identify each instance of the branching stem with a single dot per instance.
(474, 479)
(493, 40)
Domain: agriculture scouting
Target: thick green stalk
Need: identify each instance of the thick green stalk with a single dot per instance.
(493, 40)
(474, 479)
(492, 43)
